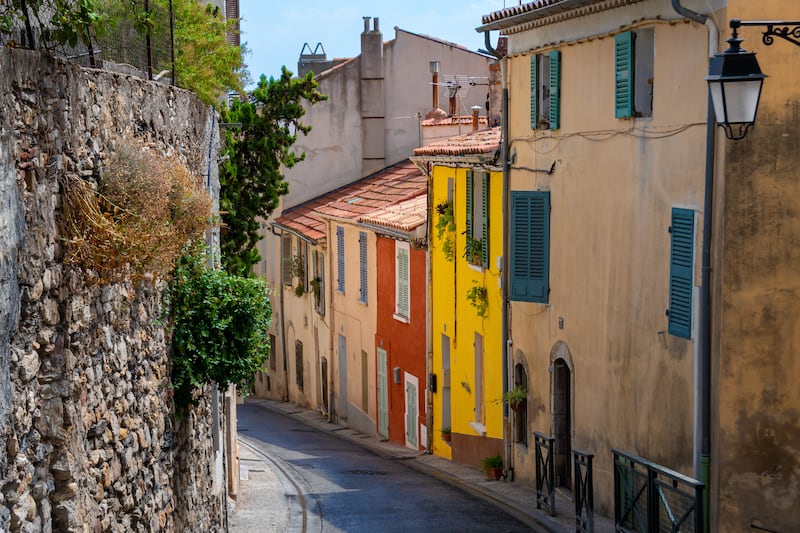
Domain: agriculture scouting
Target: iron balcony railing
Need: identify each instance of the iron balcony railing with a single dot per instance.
(650, 498)
(545, 473)
(584, 492)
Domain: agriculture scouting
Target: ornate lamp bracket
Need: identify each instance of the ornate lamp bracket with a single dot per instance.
(784, 29)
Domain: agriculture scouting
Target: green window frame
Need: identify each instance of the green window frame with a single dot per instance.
(545, 90)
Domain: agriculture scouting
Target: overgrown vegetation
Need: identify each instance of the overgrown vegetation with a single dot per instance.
(478, 297)
(205, 62)
(219, 327)
(445, 229)
(254, 156)
(144, 209)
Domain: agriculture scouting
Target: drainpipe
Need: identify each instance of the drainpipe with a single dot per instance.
(702, 408)
(505, 347)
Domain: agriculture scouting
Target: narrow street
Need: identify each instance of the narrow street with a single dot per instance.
(324, 483)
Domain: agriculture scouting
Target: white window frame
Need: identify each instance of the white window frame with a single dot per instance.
(403, 315)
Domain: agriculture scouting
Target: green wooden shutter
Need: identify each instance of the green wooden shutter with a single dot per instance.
(470, 204)
(529, 264)
(624, 62)
(534, 91)
(555, 90)
(485, 221)
(680, 273)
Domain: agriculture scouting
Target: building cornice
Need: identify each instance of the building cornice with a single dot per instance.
(551, 14)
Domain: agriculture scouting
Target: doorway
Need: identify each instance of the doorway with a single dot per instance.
(383, 394)
(562, 423)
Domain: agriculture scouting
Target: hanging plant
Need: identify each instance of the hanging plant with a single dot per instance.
(445, 228)
(478, 297)
(316, 287)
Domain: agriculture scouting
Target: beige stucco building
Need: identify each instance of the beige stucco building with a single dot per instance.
(608, 128)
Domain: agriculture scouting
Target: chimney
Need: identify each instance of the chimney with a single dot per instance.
(434, 66)
(475, 110)
(373, 131)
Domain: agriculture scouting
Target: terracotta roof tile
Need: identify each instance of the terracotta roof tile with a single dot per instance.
(404, 216)
(388, 187)
(476, 142)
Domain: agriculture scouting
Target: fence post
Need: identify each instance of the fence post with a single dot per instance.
(584, 492)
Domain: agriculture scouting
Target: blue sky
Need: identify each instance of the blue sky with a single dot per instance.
(275, 30)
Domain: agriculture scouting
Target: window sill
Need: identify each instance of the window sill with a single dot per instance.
(478, 428)
(400, 318)
(476, 268)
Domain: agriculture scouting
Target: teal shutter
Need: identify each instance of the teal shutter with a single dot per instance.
(529, 264)
(362, 255)
(485, 228)
(680, 273)
(534, 91)
(470, 203)
(555, 90)
(623, 67)
(340, 258)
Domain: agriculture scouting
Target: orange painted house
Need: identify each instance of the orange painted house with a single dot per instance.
(400, 338)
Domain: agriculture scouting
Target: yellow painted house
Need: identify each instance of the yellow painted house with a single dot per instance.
(465, 195)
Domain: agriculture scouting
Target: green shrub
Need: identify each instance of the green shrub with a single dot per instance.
(219, 328)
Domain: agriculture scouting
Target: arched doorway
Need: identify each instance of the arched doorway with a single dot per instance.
(561, 408)
(521, 412)
(561, 423)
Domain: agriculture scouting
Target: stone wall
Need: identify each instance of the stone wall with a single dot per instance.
(88, 436)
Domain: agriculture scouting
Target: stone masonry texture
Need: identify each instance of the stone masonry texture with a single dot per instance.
(89, 440)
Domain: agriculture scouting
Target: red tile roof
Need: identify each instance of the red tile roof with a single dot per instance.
(388, 187)
(476, 142)
(547, 7)
(405, 216)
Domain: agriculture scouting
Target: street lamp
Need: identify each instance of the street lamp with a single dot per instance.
(735, 79)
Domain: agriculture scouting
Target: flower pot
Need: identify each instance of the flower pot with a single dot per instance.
(494, 472)
(446, 437)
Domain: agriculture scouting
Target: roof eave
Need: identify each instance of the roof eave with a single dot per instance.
(522, 18)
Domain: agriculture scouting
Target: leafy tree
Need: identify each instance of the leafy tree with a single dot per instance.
(255, 154)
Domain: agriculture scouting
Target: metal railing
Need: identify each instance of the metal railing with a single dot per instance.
(584, 492)
(651, 498)
(545, 473)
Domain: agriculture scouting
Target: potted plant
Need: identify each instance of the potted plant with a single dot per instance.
(473, 250)
(493, 465)
(445, 227)
(516, 397)
(446, 434)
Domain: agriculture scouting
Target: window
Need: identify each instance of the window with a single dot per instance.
(318, 283)
(272, 354)
(301, 267)
(402, 280)
(521, 411)
(362, 268)
(545, 90)
(476, 250)
(530, 246)
(286, 258)
(680, 273)
(340, 258)
(633, 73)
(298, 362)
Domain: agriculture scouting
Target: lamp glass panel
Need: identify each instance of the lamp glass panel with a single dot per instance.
(716, 98)
(741, 100)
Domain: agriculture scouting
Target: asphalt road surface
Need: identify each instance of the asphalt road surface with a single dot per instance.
(337, 486)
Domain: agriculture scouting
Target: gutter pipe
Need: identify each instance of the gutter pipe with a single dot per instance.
(506, 341)
(702, 407)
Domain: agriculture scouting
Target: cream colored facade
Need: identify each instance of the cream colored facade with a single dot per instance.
(602, 369)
